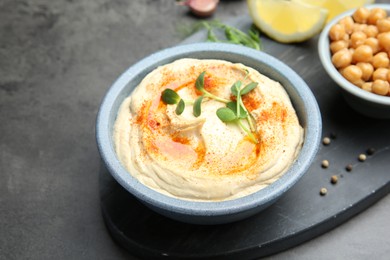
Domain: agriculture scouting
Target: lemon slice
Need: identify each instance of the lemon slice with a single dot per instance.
(287, 21)
(336, 7)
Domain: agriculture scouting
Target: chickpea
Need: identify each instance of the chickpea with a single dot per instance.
(359, 82)
(380, 73)
(342, 58)
(357, 39)
(367, 70)
(384, 40)
(388, 76)
(375, 15)
(373, 43)
(352, 51)
(367, 86)
(346, 37)
(380, 60)
(363, 53)
(380, 87)
(383, 25)
(335, 46)
(337, 32)
(361, 15)
(358, 27)
(348, 24)
(371, 31)
(352, 73)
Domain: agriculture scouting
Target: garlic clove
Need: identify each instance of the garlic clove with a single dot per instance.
(201, 8)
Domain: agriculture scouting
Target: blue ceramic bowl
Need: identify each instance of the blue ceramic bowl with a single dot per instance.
(210, 212)
(364, 102)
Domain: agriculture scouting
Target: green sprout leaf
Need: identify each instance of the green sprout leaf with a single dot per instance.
(197, 110)
(233, 106)
(225, 114)
(235, 89)
(170, 97)
(180, 107)
(199, 83)
(248, 88)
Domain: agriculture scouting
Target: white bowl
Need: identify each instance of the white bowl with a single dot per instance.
(362, 101)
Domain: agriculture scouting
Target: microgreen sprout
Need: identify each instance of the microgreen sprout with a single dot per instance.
(197, 110)
(169, 96)
(234, 111)
(226, 114)
(239, 105)
(180, 107)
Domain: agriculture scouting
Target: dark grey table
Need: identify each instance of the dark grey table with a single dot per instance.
(57, 60)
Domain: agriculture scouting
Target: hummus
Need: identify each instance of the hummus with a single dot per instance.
(202, 158)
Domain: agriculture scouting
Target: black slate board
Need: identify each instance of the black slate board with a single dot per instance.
(301, 214)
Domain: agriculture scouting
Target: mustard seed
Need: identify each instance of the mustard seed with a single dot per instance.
(333, 135)
(323, 191)
(334, 179)
(326, 140)
(362, 157)
(349, 167)
(325, 164)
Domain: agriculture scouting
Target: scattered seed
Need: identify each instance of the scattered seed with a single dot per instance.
(333, 135)
(349, 167)
(370, 151)
(362, 157)
(326, 140)
(334, 179)
(323, 191)
(325, 164)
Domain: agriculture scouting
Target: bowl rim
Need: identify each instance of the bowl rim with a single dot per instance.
(213, 208)
(325, 57)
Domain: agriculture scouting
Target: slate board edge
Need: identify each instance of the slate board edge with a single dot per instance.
(274, 247)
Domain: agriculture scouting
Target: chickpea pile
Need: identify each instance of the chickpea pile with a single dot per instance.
(360, 46)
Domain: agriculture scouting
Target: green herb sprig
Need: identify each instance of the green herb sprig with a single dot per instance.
(234, 111)
(220, 32)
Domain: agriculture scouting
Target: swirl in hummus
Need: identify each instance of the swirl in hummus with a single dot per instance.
(202, 158)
